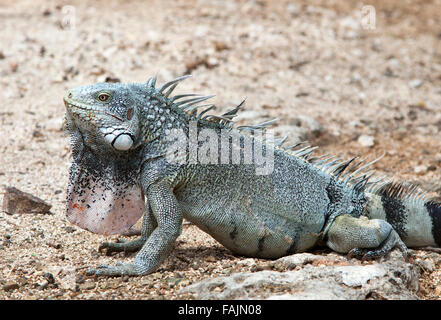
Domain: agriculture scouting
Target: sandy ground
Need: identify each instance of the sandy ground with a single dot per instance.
(289, 58)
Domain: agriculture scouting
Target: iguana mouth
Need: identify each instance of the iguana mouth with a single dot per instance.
(69, 103)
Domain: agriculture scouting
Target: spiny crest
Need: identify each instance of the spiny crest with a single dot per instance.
(356, 175)
(398, 190)
(190, 106)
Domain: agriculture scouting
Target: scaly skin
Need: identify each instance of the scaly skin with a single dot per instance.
(120, 139)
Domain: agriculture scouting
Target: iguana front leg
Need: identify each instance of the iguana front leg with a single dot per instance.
(361, 237)
(168, 216)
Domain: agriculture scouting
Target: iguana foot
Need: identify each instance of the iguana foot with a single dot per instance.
(363, 238)
(391, 242)
(121, 269)
(122, 245)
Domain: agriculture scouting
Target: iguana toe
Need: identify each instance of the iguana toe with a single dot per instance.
(121, 245)
(118, 270)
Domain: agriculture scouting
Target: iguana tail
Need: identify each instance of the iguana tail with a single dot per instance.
(416, 218)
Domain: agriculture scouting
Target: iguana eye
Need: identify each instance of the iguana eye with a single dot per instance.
(104, 97)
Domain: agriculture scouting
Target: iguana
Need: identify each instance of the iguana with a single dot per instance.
(120, 141)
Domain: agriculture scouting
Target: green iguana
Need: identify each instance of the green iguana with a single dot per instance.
(121, 145)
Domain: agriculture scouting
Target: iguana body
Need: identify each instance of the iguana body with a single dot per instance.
(120, 141)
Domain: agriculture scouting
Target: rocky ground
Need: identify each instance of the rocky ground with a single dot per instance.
(313, 64)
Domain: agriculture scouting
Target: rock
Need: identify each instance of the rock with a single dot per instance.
(246, 262)
(10, 286)
(16, 201)
(174, 281)
(437, 290)
(69, 229)
(87, 285)
(366, 141)
(300, 259)
(49, 277)
(64, 276)
(43, 285)
(421, 169)
(111, 284)
(391, 279)
(416, 83)
(425, 265)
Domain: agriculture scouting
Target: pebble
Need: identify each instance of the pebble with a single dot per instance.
(9, 286)
(69, 229)
(111, 284)
(366, 141)
(425, 265)
(416, 83)
(49, 277)
(420, 169)
(87, 285)
(437, 291)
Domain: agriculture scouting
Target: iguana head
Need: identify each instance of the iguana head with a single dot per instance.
(104, 193)
(106, 114)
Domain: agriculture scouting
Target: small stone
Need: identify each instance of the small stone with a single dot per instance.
(9, 286)
(421, 169)
(437, 291)
(366, 141)
(112, 79)
(43, 285)
(246, 262)
(111, 284)
(53, 245)
(425, 265)
(416, 83)
(87, 285)
(14, 66)
(174, 281)
(69, 229)
(49, 277)
(220, 46)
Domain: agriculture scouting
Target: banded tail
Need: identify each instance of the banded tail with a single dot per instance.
(414, 217)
